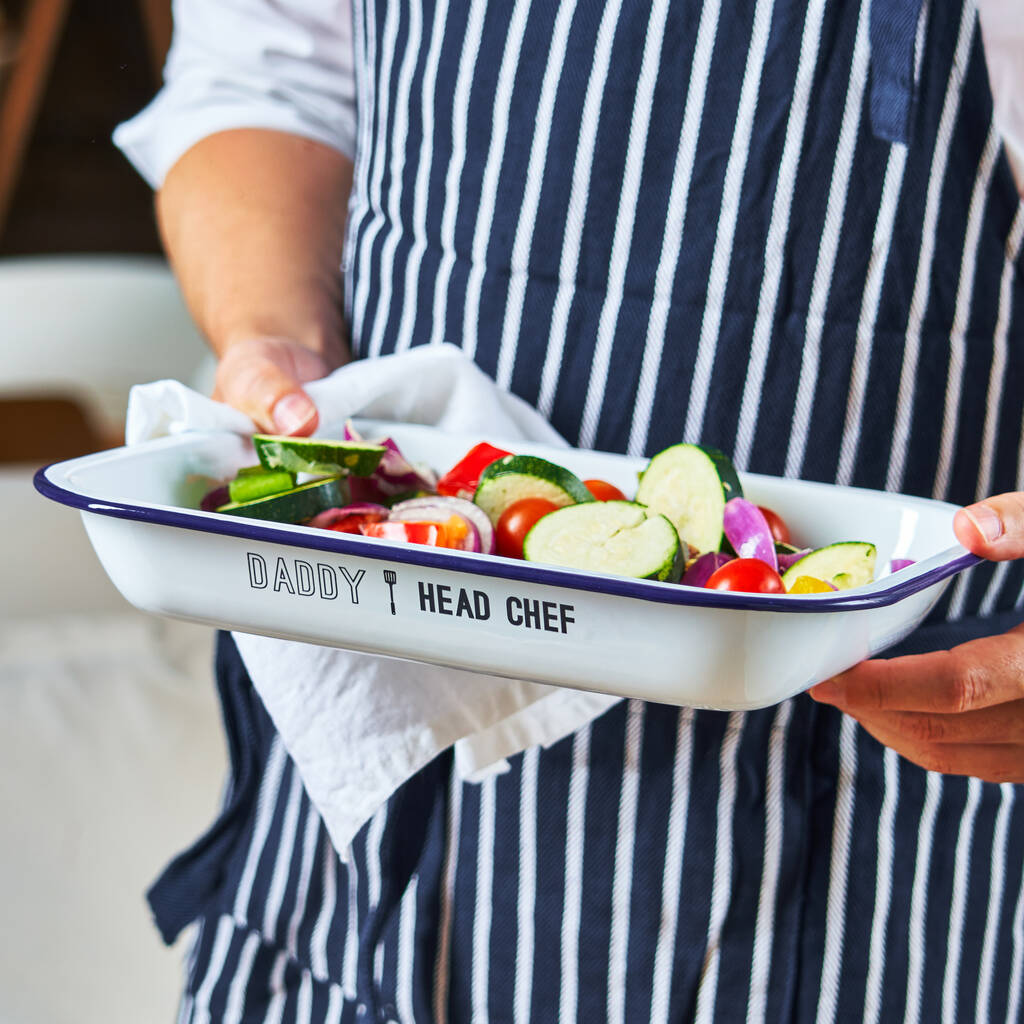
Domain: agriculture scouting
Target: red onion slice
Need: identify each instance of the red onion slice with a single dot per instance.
(213, 500)
(748, 531)
(395, 474)
(441, 508)
(370, 490)
(394, 466)
(326, 519)
(703, 566)
(900, 563)
(791, 558)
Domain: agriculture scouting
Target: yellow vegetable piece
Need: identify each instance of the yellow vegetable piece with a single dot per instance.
(809, 585)
(452, 533)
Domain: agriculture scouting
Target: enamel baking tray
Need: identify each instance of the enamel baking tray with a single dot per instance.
(636, 638)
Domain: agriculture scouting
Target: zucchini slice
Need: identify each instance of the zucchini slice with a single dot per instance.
(617, 537)
(689, 484)
(782, 548)
(525, 476)
(294, 506)
(254, 482)
(850, 563)
(319, 455)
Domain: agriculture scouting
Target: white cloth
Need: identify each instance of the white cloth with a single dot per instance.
(1002, 33)
(358, 726)
(289, 65)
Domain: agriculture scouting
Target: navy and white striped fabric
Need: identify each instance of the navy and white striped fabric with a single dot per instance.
(661, 222)
(658, 866)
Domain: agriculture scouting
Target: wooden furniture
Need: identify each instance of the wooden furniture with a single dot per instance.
(42, 430)
(26, 58)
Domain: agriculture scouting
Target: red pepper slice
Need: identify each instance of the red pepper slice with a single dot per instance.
(432, 534)
(450, 534)
(356, 522)
(460, 481)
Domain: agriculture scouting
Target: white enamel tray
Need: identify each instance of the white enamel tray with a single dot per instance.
(637, 638)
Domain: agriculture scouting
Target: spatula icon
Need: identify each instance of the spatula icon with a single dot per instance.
(391, 578)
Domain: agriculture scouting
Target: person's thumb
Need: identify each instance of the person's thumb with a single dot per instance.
(263, 380)
(993, 528)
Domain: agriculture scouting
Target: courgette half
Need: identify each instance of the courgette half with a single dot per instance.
(848, 564)
(252, 482)
(294, 506)
(525, 476)
(319, 455)
(617, 537)
(689, 484)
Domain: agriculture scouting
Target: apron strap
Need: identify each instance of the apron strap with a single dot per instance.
(893, 34)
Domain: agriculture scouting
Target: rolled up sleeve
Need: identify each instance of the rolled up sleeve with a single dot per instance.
(280, 64)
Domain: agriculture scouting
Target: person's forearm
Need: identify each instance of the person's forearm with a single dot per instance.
(253, 223)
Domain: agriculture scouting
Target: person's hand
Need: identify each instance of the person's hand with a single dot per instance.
(960, 712)
(263, 377)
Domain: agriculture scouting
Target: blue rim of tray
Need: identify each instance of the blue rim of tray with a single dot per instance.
(495, 567)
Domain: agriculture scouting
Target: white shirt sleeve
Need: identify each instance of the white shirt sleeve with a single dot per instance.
(280, 64)
(1002, 32)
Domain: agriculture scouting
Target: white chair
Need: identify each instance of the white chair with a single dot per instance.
(111, 756)
(83, 329)
(92, 326)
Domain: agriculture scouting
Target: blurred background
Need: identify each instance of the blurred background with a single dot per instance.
(71, 71)
(110, 743)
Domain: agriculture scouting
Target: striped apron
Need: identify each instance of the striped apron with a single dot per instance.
(783, 227)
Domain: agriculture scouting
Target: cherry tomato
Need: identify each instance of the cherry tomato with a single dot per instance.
(604, 491)
(750, 575)
(517, 521)
(780, 531)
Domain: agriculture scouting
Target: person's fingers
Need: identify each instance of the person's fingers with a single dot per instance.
(263, 379)
(978, 674)
(992, 762)
(993, 528)
(1001, 724)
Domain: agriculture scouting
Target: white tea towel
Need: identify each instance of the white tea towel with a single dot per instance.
(358, 726)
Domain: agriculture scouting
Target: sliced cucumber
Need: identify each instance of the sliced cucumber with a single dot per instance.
(849, 563)
(524, 476)
(782, 548)
(294, 506)
(316, 455)
(254, 482)
(618, 537)
(689, 484)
